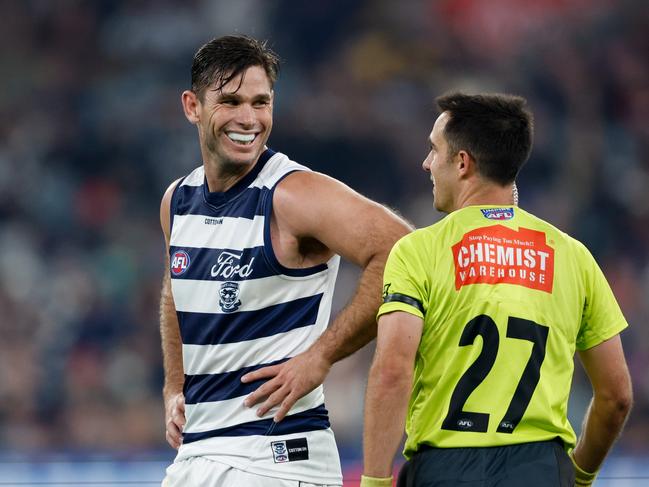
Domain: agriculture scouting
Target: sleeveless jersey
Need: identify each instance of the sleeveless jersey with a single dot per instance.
(240, 310)
(506, 298)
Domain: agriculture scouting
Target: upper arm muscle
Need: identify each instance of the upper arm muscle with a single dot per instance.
(312, 205)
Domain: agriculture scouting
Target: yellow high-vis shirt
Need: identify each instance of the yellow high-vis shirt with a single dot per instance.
(506, 299)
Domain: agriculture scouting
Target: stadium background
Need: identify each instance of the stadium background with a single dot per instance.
(92, 132)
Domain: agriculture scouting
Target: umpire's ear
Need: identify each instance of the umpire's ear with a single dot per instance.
(465, 164)
(191, 105)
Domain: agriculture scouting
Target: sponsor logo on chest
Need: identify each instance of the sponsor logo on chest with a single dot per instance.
(229, 266)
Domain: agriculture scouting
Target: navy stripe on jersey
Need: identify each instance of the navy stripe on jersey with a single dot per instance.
(220, 387)
(267, 202)
(310, 420)
(215, 329)
(246, 205)
(221, 264)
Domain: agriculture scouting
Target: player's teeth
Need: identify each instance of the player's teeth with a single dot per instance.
(241, 137)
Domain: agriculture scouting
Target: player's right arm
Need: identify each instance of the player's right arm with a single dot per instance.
(612, 398)
(171, 342)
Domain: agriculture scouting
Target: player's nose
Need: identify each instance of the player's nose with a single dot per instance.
(246, 115)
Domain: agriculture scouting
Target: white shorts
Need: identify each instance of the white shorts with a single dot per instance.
(201, 472)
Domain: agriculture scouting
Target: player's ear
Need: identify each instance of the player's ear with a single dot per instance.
(191, 105)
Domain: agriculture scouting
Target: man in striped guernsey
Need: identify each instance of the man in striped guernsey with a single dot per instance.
(253, 244)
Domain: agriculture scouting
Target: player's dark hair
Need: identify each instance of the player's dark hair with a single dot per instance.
(222, 59)
(495, 129)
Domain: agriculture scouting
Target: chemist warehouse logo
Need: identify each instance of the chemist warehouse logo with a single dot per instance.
(501, 255)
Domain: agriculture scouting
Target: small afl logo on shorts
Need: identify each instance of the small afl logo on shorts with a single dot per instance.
(292, 450)
(280, 453)
(498, 213)
(179, 262)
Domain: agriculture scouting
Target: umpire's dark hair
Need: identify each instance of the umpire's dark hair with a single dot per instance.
(224, 58)
(495, 129)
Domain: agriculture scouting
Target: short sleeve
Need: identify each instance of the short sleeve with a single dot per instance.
(404, 280)
(602, 317)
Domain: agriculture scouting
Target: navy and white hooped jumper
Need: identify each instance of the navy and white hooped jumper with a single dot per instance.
(239, 310)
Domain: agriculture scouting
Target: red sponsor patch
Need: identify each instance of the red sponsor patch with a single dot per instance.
(500, 255)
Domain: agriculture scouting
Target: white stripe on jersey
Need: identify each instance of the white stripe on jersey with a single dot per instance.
(231, 412)
(203, 296)
(275, 169)
(229, 357)
(191, 231)
(195, 178)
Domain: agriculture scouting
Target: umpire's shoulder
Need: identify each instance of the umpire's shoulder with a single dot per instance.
(416, 241)
(560, 237)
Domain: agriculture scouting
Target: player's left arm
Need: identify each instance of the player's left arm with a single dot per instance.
(312, 205)
(388, 390)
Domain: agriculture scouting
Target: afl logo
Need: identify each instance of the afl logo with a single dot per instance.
(498, 213)
(465, 424)
(179, 262)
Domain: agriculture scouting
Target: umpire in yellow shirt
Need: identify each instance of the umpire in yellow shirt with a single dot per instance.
(481, 317)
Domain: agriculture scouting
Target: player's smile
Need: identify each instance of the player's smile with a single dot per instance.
(241, 138)
(241, 142)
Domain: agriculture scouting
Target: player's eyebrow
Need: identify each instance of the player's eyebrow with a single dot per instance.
(234, 96)
(227, 96)
(265, 98)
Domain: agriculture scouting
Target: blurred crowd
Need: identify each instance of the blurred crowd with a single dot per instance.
(92, 132)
